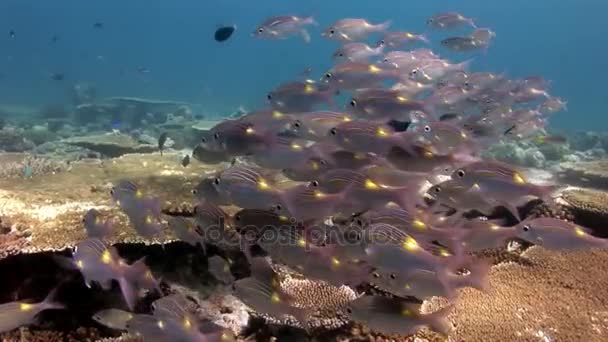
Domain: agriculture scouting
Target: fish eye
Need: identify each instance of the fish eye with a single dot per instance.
(203, 139)
(526, 228)
(333, 131)
(359, 222)
(437, 189)
(237, 217)
(314, 183)
(429, 21)
(375, 275)
(427, 128)
(269, 96)
(297, 124)
(260, 30)
(332, 31)
(341, 54)
(382, 42)
(393, 276)
(216, 136)
(323, 162)
(353, 103)
(349, 310)
(328, 75)
(216, 181)
(278, 207)
(194, 191)
(460, 173)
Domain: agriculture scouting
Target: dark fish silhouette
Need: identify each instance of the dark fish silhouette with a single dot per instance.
(12, 34)
(58, 76)
(223, 33)
(161, 142)
(98, 25)
(186, 160)
(54, 39)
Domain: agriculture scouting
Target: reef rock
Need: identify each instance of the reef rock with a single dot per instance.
(13, 140)
(583, 141)
(592, 174)
(45, 212)
(111, 144)
(589, 207)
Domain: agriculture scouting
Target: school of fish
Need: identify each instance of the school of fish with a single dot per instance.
(334, 192)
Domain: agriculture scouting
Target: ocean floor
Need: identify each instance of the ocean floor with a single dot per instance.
(536, 295)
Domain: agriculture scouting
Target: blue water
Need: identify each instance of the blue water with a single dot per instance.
(561, 40)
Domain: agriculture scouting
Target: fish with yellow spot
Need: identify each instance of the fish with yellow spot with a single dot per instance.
(387, 104)
(353, 29)
(479, 235)
(101, 264)
(301, 96)
(113, 318)
(556, 234)
(400, 39)
(248, 186)
(16, 314)
(314, 125)
(396, 316)
(356, 75)
(365, 136)
(424, 284)
(95, 226)
(144, 212)
(307, 202)
(262, 292)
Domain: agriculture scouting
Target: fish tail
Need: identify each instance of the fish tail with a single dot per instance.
(51, 302)
(438, 322)
(310, 20)
(128, 292)
(305, 36)
(383, 26)
(423, 38)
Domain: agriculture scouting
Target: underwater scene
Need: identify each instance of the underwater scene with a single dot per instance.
(232, 170)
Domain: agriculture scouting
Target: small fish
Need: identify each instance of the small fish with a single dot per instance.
(356, 52)
(396, 316)
(143, 70)
(58, 76)
(356, 75)
(185, 160)
(463, 44)
(220, 269)
(300, 96)
(162, 139)
(205, 155)
(353, 29)
(552, 105)
(449, 20)
(54, 39)
(262, 292)
(16, 314)
(401, 39)
(307, 202)
(551, 139)
(113, 318)
(185, 230)
(248, 187)
(556, 234)
(479, 235)
(144, 213)
(281, 27)
(98, 25)
(12, 34)
(95, 227)
(223, 33)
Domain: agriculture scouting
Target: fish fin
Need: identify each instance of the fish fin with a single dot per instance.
(128, 292)
(423, 37)
(310, 20)
(305, 36)
(382, 27)
(50, 302)
(438, 322)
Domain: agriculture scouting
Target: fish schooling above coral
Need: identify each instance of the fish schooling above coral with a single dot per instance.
(388, 199)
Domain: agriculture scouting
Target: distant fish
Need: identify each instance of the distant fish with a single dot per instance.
(54, 39)
(282, 27)
(16, 314)
(449, 20)
(162, 139)
(113, 318)
(12, 34)
(143, 70)
(58, 76)
(98, 25)
(223, 33)
(95, 226)
(186, 160)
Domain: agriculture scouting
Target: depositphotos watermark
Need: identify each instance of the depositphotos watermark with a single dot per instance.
(298, 235)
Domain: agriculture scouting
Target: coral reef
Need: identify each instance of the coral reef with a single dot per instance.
(21, 165)
(111, 144)
(51, 207)
(589, 207)
(586, 173)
